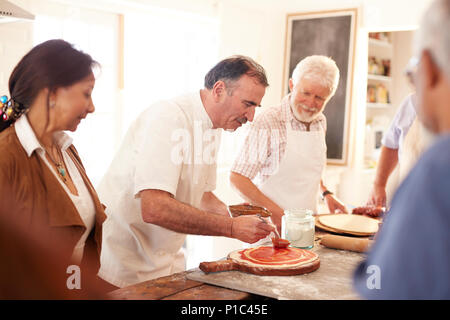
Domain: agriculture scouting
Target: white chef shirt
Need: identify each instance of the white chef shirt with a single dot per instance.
(401, 123)
(171, 146)
(83, 201)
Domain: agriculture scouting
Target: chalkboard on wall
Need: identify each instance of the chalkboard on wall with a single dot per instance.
(329, 33)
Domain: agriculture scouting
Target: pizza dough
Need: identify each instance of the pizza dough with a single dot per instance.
(266, 261)
(273, 258)
(350, 223)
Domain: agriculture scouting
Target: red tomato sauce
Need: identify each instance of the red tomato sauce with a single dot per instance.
(272, 256)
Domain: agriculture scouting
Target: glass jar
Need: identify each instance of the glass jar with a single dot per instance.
(297, 226)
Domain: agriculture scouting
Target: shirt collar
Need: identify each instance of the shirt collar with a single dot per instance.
(29, 141)
(200, 112)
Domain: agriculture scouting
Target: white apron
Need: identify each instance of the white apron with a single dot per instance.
(295, 185)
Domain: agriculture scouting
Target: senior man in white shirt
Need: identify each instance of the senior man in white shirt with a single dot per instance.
(281, 162)
(159, 186)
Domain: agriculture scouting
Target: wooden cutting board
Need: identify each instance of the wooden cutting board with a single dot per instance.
(247, 209)
(267, 261)
(333, 280)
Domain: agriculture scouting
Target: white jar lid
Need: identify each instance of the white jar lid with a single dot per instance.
(298, 213)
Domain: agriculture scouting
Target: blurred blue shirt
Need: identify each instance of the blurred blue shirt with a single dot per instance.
(411, 254)
(403, 119)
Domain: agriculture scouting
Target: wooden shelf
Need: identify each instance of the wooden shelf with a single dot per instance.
(378, 105)
(378, 77)
(380, 43)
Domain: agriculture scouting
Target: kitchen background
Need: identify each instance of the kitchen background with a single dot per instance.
(155, 49)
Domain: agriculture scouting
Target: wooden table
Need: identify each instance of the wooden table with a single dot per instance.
(178, 287)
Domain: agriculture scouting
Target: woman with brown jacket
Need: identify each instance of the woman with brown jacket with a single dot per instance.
(43, 184)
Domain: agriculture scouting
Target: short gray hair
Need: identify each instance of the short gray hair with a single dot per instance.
(434, 34)
(318, 68)
(231, 69)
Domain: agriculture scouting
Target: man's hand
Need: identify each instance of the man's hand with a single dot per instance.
(250, 229)
(334, 205)
(377, 197)
(386, 164)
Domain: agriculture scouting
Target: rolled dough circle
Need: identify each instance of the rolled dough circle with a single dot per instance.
(350, 223)
(271, 258)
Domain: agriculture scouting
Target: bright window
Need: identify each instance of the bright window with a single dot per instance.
(166, 54)
(95, 33)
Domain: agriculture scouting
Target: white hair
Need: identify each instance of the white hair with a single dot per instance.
(434, 34)
(318, 68)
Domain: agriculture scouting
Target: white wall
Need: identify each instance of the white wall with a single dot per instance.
(16, 38)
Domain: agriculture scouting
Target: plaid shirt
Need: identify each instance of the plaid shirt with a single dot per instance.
(265, 144)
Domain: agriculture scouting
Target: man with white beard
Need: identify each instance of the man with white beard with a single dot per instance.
(281, 162)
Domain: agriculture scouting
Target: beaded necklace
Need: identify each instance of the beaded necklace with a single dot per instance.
(59, 165)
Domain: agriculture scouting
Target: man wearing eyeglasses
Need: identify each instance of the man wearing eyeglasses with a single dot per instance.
(281, 162)
(411, 254)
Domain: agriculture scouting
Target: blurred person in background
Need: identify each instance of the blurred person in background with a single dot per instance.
(410, 258)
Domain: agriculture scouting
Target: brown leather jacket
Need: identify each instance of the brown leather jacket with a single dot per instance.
(31, 195)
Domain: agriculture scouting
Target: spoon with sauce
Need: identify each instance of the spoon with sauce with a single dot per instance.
(277, 241)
